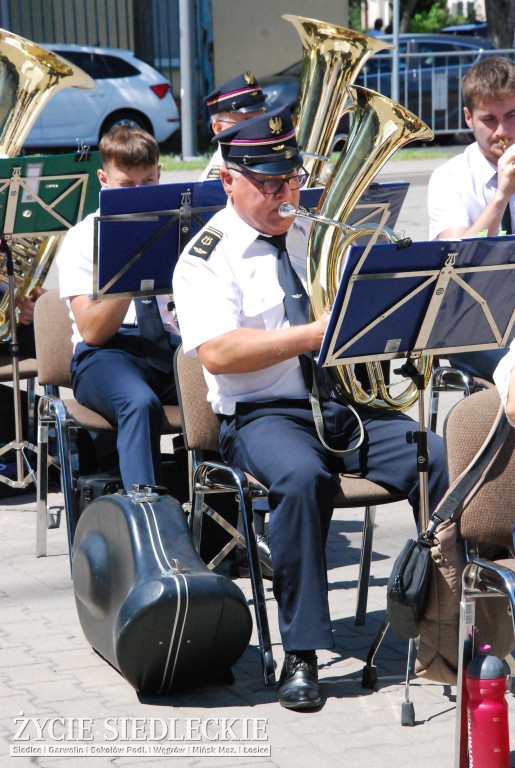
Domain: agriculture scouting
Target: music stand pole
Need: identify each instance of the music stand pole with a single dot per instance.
(17, 444)
(420, 438)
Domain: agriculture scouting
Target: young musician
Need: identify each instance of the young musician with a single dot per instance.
(475, 191)
(232, 102)
(229, 287)
(119, 368)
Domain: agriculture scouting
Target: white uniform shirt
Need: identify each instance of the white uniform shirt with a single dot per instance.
(460, 189)
(237, 287)
(75, 265)
(212, 170)
(502, 375)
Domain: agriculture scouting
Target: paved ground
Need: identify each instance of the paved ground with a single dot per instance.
(49, 671)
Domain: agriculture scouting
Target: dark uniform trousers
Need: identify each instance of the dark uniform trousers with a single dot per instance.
(277, 443)
(116, 381)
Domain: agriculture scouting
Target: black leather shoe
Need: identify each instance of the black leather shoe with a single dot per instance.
(298, 684)
(240, 565)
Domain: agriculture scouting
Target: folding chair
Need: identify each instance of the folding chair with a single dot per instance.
(486, 525)
(53, 332)
(210, 475)
(445, 378)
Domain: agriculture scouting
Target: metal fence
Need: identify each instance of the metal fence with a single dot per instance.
(429, 84)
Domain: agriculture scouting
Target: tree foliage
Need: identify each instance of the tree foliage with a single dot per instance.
(500, 21)
(419, 15)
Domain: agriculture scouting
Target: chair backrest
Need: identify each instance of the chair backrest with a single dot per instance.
(200, 426)
(489, 517)
(53, 334)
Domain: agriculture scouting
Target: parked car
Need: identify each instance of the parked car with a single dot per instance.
(430, 72)
(128, 90)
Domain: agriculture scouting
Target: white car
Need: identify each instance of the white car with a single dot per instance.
(128, 90)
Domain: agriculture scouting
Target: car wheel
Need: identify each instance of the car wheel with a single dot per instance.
(126, 117)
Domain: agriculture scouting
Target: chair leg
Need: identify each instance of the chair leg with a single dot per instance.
(364, 565)
(57, 413)
(240, 486)
(42, 483)
(31, 410)
(258, 591)
(369, 672)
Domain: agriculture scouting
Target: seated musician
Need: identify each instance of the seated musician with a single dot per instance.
(504, 378)
(475, 191)
(123, 349)
(229, 287)
(232, 102)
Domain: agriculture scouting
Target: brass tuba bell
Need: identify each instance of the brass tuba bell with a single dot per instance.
(29, 76)
(333, 57)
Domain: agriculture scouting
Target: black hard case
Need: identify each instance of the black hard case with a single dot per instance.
(146, 602)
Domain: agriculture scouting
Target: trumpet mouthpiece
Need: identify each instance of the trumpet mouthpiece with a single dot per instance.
(286, 210)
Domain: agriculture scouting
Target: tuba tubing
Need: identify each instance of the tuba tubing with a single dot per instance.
(332, 59)
(29, 76)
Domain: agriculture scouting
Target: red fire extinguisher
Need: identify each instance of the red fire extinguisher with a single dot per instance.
(487, 712)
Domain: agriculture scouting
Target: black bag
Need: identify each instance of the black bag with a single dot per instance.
(146, 601)
(407, 588)
(90, 487)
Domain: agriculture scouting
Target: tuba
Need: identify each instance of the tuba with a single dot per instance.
(333, 57)
(29, 76)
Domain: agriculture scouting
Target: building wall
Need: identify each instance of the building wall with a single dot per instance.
(250, 35)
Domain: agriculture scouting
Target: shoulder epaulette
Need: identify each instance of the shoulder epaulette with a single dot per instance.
(205, 244)
(214, 172)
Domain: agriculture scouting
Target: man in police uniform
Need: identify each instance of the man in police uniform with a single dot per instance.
(232, 102)
(235, 314)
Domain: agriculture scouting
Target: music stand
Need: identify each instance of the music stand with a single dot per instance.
(425, 298)
(420, 299)
(40, 196)
(141, 231)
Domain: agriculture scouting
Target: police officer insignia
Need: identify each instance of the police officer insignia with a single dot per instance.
(206, 243)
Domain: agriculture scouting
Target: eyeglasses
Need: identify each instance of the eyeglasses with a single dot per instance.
(274, 185)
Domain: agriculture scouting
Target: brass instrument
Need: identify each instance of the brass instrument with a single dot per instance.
(379, 127)
(29, 76)
(333, 57)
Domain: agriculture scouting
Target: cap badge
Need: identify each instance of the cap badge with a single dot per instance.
(278, 147)
(276, 125)
(249, 78)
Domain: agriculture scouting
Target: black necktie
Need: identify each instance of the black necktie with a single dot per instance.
(296, 300)
(506, 220)
(155, 338)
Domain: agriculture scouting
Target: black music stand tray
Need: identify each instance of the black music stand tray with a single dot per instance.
(141, 231)
(408, 300)
(40, 196)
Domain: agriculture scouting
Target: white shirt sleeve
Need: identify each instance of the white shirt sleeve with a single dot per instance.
(502, 375)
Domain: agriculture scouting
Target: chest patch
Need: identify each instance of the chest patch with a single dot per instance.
(205, 244)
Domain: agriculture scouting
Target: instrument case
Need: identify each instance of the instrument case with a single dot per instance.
(146, 602)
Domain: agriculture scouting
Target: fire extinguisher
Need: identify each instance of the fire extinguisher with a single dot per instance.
(487, 712)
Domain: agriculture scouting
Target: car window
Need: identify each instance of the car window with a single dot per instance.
(381, 63)
(99, 66)
(439, 60)
(119, 67)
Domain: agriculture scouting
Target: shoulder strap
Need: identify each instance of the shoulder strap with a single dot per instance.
(467, 484)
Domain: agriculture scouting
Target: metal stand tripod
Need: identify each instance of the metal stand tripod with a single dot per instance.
(18, 444)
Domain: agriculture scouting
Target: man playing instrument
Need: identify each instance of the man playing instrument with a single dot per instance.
(111, 369)
(232, 295)
(232, 102)
(474, 192)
